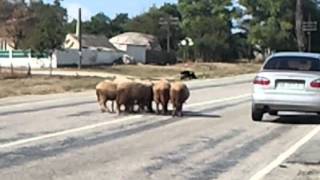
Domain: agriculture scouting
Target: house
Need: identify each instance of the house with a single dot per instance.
(96, 50)
(93, 42)
(136, 44)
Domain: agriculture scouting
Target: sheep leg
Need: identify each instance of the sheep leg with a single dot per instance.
(157, 108)
(150, 107)
(174, 111)
(112, 106)
(180, 113)
(105, 104)
(118, 108)
(165, 108)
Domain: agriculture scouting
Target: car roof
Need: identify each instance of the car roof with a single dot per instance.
(296, 54)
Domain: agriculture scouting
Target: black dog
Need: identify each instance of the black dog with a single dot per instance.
(187, 75)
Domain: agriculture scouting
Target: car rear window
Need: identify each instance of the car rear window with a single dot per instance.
(293, 64)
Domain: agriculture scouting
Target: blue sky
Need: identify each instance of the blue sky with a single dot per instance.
(110, 7)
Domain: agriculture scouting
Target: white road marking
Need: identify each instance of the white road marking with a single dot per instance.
(218, 101)
(41, 102)
(66, 132)
(281, 158)
(62, 99)
(94, 126)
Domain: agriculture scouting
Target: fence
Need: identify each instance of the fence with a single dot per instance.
(19, 58)
(14, 72)
(160, 57)
(70, 57)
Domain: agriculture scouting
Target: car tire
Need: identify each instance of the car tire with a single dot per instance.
(256, 114)
(273, 113)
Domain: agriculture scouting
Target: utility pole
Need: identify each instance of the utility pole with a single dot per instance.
(79, 36)
(167, 23)
(309, 27)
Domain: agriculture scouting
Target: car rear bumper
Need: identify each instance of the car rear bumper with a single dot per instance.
(279, 102)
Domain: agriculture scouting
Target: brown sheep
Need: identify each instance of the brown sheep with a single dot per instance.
(161, 91)
(179, 93)
(131, 93)
(123, 96)
(106, 91)
(119, 80)
(145, 101)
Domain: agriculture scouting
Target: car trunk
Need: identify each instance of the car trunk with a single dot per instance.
(290, 82)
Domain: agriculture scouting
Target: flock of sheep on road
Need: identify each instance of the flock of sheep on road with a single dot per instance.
(129, 93)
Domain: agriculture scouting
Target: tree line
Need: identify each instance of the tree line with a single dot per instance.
(221, 30)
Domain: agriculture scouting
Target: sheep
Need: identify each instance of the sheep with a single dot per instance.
(131, 93)
(161, 92)
(106, 91)
(179, 94)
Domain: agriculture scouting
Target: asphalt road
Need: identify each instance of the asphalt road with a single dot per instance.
(66, 137)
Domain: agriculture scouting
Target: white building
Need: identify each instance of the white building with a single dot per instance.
(136, 44)
(96, 50)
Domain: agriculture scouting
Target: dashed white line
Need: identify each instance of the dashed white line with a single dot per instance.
(66, 132)
(218, 101)
(98, 125)
(281, 158)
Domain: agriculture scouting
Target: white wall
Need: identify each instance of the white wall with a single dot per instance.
(89, 57)
(137, 52)
(34, 63)
(122, 47)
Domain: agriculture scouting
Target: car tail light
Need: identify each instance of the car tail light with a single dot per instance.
(261, 81)
(315, 83)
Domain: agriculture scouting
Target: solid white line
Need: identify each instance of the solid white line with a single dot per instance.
(66, 132)
(281, 158)
(218, 101)
(89, 127)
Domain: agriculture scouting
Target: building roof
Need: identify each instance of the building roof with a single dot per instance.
(138, 39)
(95, 41)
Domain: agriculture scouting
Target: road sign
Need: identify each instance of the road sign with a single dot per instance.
(310, 26)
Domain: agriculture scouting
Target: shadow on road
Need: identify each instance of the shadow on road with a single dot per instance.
(297, 120)
(190, 114)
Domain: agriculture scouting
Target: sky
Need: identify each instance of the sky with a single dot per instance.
(110, 7)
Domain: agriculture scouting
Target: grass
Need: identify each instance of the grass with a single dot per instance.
(21, 84)
(39, 85)
(202, 70)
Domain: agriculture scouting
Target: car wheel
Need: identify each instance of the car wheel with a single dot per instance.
(256, 114)
(273, 113)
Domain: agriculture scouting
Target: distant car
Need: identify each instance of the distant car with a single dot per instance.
(287, 82)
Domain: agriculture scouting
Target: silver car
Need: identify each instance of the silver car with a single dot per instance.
(287, 82)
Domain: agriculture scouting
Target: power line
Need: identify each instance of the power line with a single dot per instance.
(168, 22)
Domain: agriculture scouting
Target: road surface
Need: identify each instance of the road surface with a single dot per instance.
(65, 136)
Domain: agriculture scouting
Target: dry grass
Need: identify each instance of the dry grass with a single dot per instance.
(19, 84)
(38, 85)
(215, 70)
(202, 70)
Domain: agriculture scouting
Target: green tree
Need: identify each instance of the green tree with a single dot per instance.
(118, 23)
(18, 24)
(271, 27)
(312, 11)
(70, 27)
(48, 29)
(149, 23)
(5, 9)
(208, 23)
(99, 24)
